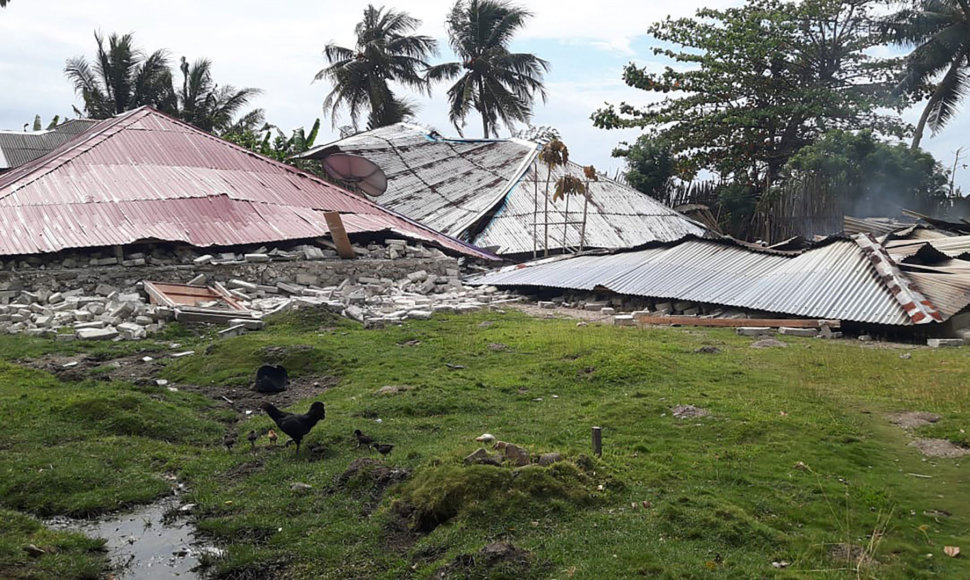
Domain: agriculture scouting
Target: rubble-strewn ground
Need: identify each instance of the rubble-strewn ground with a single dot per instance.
(796, 455)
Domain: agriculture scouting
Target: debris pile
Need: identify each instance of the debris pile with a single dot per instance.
(112, 313)
(167, 255)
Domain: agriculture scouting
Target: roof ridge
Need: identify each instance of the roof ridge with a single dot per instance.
(914, 303)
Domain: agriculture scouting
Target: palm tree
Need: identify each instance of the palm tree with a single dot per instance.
(940, 32)
(210, 107)
(122, 78)
(497, 83)
(384, 52)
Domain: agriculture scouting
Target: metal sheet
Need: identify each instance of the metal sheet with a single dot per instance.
(454, 185)
(839, 280)
(144, 175)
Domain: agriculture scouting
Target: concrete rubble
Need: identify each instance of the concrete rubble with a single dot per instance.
(376, 296)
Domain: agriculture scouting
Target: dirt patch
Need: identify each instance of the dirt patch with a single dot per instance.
(939, 448)
(689, 411)
(768, 343)
(850, 553)
(369, 479)
(708, 350)
(242, 399)
(496, 560)
(913, 419)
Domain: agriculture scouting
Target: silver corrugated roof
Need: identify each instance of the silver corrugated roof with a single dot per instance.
(455, 185)
(19, 147)
(852, 280)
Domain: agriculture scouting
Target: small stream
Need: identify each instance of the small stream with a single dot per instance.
(143, 544)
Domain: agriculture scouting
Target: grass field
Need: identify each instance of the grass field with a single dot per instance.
(796, 462)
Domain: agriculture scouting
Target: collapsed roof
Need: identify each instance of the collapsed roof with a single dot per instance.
(20, 147)
(851, 279)
(485, 191)
(144, 176)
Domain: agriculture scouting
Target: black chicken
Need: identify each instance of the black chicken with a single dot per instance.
(383, 448)
(362, 439)
(296, 426)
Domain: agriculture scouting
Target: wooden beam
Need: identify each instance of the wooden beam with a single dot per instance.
(735, 322)
(339, 235)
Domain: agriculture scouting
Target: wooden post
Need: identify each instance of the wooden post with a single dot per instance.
(598, 441)
(339, 235)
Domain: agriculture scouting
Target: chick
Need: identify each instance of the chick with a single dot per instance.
(362, 439)
(383, 448)
(252, 439)
(229, 440)
(272, 437)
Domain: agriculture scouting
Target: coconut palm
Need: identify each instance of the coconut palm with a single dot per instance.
(940, 32)
(385, 52)
(210, 107)
(122, 78)
(497, 83)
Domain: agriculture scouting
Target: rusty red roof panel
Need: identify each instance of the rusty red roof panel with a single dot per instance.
(144, 175)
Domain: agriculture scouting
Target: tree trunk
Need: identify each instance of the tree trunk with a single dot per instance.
(484, 109)
(545, 224)
(921, 126)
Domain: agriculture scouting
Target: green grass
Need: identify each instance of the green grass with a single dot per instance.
(795, 457)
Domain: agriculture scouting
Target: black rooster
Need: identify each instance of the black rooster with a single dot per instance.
(296, 426)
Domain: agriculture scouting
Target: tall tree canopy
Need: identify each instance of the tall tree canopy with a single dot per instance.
(757, 83)
(499, 84)
(210, 107)
(122, 78)
(939, 31)
(385, 52)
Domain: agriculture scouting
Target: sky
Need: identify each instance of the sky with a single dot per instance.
(278, 46)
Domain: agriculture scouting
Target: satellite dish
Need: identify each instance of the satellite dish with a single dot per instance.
(357, 172)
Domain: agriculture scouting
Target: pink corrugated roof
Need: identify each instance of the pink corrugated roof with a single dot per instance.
(144, 175)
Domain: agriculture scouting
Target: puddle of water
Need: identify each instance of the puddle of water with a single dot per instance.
(143, 546)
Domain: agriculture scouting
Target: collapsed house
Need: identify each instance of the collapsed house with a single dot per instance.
(858, 281)
(492, 193)
(144, 196)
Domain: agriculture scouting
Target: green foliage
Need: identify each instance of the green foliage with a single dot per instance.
(939, 32)
(650, 166)
(271, 142)
(877, 176)
(384, 52)
(755, 84)
(499, 84)
(738, 203)
(123, 78)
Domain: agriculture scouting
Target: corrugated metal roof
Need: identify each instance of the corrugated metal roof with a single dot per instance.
(852, 280)
(455, 184)
(144, 175)
(19, 147)
(618, 217)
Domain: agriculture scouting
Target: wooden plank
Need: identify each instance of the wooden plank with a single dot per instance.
(339, 235)
(735, 322)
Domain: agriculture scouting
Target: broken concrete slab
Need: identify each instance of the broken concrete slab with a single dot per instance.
(107, 333)
(944, 342)
(755, 330)
(803, 332)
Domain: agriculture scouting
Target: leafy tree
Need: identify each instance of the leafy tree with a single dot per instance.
(757, 83)
(210, 107)
(497, 83)
(385, 52)
(270, 141)
(940, 32)
(122, 78)
(876, 177)
(650, 166)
